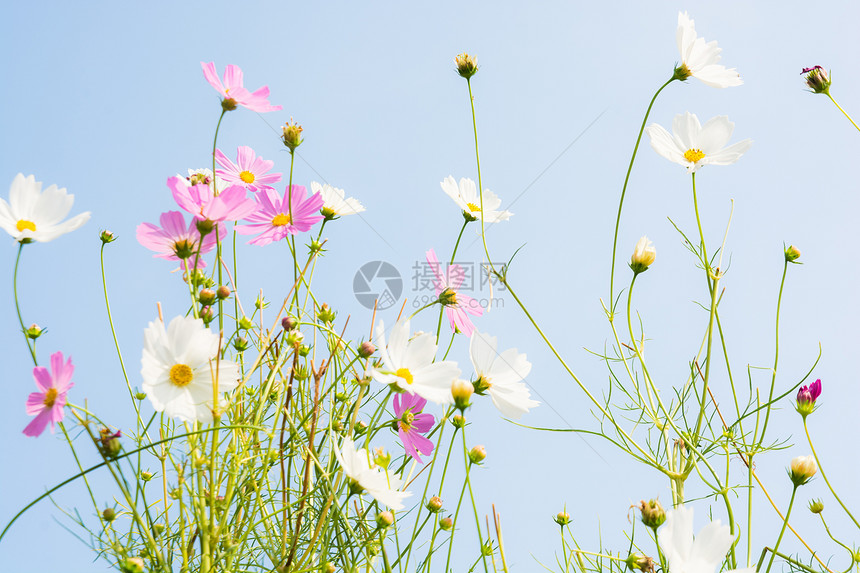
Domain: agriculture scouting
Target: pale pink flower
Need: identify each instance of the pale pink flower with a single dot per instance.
(249, 170)
(234, 92)
(458, 306)
(174, 241)
(231, 204)
(47, 405)
(411, 423)
(274, 220)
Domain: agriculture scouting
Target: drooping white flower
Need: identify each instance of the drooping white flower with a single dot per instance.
(334, 203)
(375, 480)
(179, 367)
(700, 555)
(465, 195)
(501, 375)
(35, 215)
(694, 145)
(408, 363)
(700, 58)
(643, 255)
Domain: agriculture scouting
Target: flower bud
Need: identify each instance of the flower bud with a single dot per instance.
(140, 396)
(328, 568)
(294, 338)
(487, 548)
(446, 523)
(563, 518)
(304, 350)
(132, 565)
(108, 443)
(817, 80)
(315, 247)
(107, 237)
(806, 397)
(223, 292)
(207, 315)
(300, 372)
(381, 457)
(289, 323)
(792, 253)
(640, 562)
(157, 529)
(292, 135)
(802, 469)
(385, 519)
(653, 514)
(325, 314)
(467, 65)
(462, 391)
(240, 344)
(434, 504)
(261, 303)
(34, 332)
(458, 421)
(145, 475)
(816, 506)
(477, 454)
(109, 514)
(643, 255)
(366, 349)
(207, 297)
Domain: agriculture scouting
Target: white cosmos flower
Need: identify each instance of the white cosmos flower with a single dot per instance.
(35, 215)
(408, 363)
(501, 375)
(178, 367)
(693, 144)
(334, 202)
(702, 555)
(465, 195)
(699, 58)
(375, 480)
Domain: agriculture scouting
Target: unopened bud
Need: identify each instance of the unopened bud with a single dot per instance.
(385, 519)
(816, 506)
(223, 292)
(207, 297)
(643, 255)
(34, 331)
(462, 392)
(109, 514)
(381, 457)
(300, 372)
(792, 253)
(107, 237)
(132, 565)
(207, 314)
(366, 349)
(109, 443)
(653, 514)
(487, 548)
(240, 344)
(140, 396)
(245, 323)
(294, 338)
(329, 568)
(434, 504)
(292, 135)
(467, 66)
(304, 350)
(802, 469)
(145, 475)
(563, 518)
(325, 314)
(289, 323)
(817, 79)
(446, 523)
(458, 421)
(477, 454)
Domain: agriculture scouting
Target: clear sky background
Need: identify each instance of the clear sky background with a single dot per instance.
(108, 100)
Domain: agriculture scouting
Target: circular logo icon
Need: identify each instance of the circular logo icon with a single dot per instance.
(379, 283)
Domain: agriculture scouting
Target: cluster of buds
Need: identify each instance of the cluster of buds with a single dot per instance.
(108, 443)
(802, 469)
(292, 135)
(643, 255)
(806, 397)
(817, 79)
(653, 514)
(467, 66)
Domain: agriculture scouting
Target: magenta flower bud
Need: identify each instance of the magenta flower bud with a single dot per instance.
(806, 397)
(289, 323)
(817, 79)
(366, 349)
(206, 314)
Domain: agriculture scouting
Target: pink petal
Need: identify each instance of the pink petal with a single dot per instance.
(38, 424)
(211, 76)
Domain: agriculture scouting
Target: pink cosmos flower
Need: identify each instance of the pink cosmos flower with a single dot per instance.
(173, 241)
(411, 423)
(234, 92)
(231, 204)
(274, 220)
(250, 171)
(48, 404)
(457, 304)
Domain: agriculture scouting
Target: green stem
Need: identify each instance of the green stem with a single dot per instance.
(454, 254)
(782, 531)
(821, 471)
(775, 355)
(30, 347)
(478, 161)
(843, 111)
(623, 192)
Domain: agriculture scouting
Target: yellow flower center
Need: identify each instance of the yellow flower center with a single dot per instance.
(405, 374)
(247, 177)
(280, 220)
(181, 375)
(473, 208)
(693, 155)
(50, 397)
(406, 421)
(25, 224)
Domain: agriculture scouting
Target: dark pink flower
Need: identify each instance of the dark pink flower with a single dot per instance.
(47, 405)
(174, 241)
(234, 92)
(457, 304)
(806, 397)
(231, 204)
(274, 220)
(251, 171)
(411, 423)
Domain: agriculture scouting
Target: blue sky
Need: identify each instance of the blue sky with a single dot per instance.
(108, 100)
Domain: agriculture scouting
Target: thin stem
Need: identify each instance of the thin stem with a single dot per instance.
(453, 254)
(478, 161)
(623, 192)
(843, 111)
(782, 531)
(30, 347)
(775, 355)
(821, 471)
